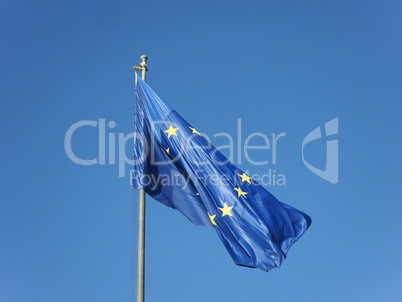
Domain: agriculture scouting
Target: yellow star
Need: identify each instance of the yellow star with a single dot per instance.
(195, 131)
(244, 177)
(212, 217)
(240, 192)
(171, 131)
(226, 210)
(167, 151)
(197, 194)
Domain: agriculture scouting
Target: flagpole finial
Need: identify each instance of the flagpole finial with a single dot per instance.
(144, 59)
(143, 66)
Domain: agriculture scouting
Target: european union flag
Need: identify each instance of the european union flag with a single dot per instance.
(178, 167)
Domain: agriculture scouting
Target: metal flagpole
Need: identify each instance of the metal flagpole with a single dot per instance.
(141, 216)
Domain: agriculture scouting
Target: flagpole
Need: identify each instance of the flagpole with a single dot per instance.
(141, 216)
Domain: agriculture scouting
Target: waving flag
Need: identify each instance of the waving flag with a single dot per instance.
(178, 167)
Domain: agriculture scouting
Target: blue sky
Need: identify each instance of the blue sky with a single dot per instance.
(280, 66)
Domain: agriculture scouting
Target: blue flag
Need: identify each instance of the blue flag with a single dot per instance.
(178, 167)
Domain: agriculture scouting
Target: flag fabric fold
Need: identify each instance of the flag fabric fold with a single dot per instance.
(178, 167)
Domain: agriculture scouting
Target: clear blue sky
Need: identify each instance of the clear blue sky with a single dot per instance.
(280, 66)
